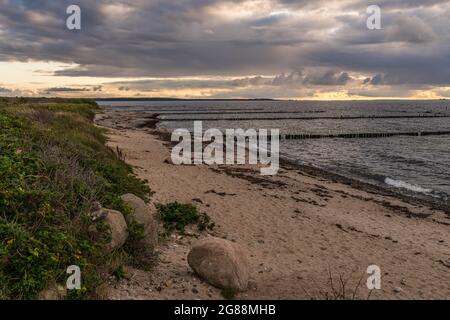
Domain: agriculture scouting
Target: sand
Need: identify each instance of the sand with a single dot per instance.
(305, 235)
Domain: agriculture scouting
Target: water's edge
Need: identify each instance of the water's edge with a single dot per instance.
(385, 190)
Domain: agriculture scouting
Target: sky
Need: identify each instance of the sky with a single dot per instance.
(284, 49)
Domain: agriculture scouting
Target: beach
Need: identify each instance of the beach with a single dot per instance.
(307, 236)
(225, 157)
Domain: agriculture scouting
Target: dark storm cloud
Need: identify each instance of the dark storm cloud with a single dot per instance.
(294, 80)
(5, 90)
(72, 89)
(326, 78)
(174, 38)
(66, 89)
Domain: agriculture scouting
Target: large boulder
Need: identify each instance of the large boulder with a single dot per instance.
(221, 263)
(145, 215)
(119, 230)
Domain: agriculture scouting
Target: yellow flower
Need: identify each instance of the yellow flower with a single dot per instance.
(10, 242)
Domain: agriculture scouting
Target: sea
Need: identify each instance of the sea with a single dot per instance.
(402, 145)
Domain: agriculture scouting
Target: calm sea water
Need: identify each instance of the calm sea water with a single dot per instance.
(408, 163)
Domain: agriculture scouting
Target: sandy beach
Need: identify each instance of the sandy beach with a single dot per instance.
(306, 236)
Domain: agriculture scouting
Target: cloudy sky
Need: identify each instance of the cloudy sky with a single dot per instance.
(297, 49)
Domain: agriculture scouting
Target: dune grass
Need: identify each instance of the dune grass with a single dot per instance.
(54, 166)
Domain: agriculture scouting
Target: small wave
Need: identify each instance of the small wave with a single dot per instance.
(406, 185)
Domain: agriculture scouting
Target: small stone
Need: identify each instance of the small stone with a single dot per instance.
(168, 160)
(252, 285)
(54, 292)
(398, 290)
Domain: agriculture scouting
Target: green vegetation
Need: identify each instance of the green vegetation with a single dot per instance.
(176, 216)
(140, 255)
(54, 166)
(228, 294)
(119, 273)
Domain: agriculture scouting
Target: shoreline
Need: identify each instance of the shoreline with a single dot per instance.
(297, 227)
(412, 198)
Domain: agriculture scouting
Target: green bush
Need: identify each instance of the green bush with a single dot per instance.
(176, 216)
(54, 166)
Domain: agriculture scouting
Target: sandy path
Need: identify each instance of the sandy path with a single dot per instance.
(295, 228)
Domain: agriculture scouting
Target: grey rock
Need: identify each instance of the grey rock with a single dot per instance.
(144, 214)
(221, 263)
